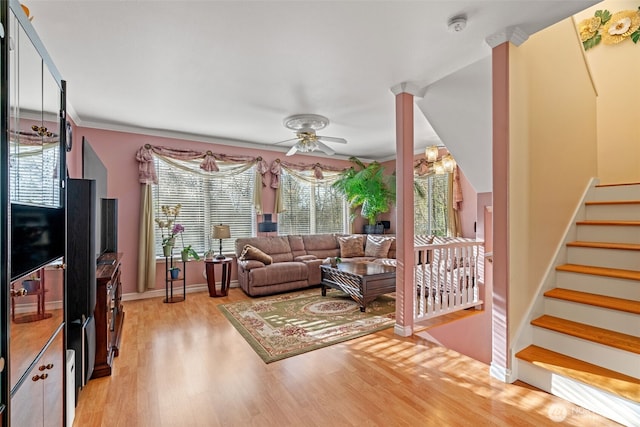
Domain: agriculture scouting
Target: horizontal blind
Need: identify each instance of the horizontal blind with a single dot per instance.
(311, 207)
(431, 213)
(34, 174)
(207, 200)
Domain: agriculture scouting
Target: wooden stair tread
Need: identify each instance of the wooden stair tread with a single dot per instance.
(619, 184)
(597, 376)
(611, 202)
(596, 300)
(600, 271)
(607, 222)
(590, 333)
(605, 245)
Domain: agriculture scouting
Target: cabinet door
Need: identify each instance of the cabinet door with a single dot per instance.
(39, 400)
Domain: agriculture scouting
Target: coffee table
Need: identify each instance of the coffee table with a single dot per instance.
(362, 281)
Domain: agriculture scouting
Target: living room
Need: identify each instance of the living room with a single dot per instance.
(586, 156)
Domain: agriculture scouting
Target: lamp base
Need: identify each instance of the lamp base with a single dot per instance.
(220, 257)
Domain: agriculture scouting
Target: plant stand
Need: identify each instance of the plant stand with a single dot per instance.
(169, 281)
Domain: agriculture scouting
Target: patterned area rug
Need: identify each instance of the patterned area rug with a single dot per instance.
(286, 325)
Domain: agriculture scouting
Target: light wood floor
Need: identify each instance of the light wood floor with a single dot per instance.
(185, 365)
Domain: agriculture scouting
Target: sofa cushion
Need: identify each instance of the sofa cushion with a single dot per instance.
(321, 245)
(297, 246)
(351, 246)
(279, 272)
(276, 246)
(378, 246)
(252, 253)
(249, 264)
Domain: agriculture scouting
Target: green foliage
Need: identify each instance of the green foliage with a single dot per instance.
(635, 36)
(604, 16)
(367, 187)
(191, 252)
(592, 42)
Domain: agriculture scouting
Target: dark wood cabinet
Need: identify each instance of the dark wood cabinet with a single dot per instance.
(109, 313)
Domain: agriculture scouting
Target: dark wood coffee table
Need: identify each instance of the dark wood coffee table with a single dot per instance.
(363, 281)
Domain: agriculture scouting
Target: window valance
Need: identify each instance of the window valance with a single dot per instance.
(205, 161)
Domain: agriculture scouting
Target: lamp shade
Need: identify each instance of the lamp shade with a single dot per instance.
(431, 153)
(221, 232)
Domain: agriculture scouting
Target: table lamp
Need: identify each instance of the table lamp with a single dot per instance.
(221, 232)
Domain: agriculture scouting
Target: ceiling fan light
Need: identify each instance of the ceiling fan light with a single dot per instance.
(431, 153)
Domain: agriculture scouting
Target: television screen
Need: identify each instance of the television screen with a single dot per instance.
(37, 237)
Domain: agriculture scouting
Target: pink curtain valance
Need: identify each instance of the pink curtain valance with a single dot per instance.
(147, 173)
(317, 168)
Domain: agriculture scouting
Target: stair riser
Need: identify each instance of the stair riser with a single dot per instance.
(609, 233)
(614, 320)
(626, 212)
(608, 405)
(610, 258)
(620, 192)
(598, 354)
(619, 288)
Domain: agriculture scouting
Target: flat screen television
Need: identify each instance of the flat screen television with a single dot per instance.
(37, 237)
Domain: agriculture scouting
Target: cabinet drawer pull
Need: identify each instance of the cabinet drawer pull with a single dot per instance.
(49, 366)
(41, 368)
(44, 376)
(35, 378)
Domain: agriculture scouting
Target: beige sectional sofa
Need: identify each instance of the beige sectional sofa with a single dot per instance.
(272, 264)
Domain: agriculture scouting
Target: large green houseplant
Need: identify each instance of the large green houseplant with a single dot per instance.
(367, 187)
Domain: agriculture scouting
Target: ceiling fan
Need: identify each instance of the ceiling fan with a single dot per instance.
(305, 126)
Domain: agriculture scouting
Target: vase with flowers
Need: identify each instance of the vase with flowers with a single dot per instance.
(172, 228)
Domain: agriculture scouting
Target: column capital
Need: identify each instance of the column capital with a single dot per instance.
(410, 88)
(515, 35)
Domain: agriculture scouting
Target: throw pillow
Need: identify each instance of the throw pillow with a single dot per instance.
(351, 246)
(377, 246)
(251, 252)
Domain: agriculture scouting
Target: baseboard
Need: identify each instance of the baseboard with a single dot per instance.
(501, 373)
(403, 331)
(160, 292)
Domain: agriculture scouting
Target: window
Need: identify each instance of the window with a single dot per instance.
(311, 206)
(432, 211)
(34, 173)
(207, 199)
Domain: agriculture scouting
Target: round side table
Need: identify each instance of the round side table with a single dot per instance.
(210, 268)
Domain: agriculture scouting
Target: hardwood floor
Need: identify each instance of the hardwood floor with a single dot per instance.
(185, 365)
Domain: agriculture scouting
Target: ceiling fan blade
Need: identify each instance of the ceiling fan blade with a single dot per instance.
(332, 139)
(286, 140)
(325, 148)
(292, 150)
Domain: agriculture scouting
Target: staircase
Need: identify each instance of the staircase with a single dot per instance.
(586, 344)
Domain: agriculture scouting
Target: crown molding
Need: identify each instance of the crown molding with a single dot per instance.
(514, 35)
(410, 88)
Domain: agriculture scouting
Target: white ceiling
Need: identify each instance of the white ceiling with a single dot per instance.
(231, 71)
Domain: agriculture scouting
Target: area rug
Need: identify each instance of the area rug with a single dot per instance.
(290, 324)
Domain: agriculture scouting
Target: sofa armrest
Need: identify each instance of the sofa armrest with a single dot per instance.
(313, 269)
(304, 258)
(250, 264)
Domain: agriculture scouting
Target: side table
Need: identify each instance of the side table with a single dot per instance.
(210, 268)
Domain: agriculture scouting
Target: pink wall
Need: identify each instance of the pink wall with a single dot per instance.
(117, 151)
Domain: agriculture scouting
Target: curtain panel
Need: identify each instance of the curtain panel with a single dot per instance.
(197, 162)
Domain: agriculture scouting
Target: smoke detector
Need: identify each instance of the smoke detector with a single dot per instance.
(457, 23)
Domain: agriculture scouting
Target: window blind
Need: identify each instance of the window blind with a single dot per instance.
(431, 213)
(207, 200)
(311, 207)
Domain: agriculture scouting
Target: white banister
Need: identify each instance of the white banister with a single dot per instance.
(446, 275)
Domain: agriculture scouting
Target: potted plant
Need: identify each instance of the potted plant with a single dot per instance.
(174, 272)
(188, 251)
(367, 187)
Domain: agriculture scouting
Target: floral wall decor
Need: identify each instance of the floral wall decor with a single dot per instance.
(610, 29)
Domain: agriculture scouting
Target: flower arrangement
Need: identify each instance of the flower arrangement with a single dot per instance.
(172, 230)
(610, 29)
